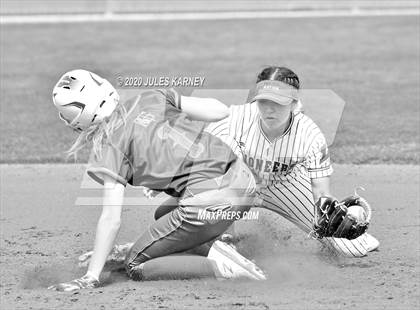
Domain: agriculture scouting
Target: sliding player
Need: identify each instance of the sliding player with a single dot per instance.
(156, 140)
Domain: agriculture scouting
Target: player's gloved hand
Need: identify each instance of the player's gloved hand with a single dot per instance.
(87, 281)
(333, 218)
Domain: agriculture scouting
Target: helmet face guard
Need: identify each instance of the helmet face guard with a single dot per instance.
(71, 123)
(84, 99)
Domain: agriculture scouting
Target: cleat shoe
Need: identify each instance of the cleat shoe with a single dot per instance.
(232, 265)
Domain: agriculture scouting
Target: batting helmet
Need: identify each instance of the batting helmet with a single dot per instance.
(83, 98)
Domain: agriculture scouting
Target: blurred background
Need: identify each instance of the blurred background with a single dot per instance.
(143, 6)
(367, 52)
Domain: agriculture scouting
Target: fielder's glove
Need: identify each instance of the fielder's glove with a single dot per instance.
(86, 281)
(333, 218)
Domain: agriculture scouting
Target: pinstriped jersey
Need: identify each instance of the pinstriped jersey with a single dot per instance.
(301, 149)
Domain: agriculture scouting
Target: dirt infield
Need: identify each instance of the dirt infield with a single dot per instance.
(43, 232)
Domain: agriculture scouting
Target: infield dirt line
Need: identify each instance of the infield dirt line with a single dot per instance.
(352, 175)
(81, 18)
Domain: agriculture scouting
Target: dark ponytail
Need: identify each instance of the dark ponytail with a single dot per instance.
(281, 74)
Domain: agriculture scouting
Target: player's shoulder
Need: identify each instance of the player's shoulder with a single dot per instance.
(303, 120)
(134, 113)
(155, 100)
(132, 106)
(308, 129)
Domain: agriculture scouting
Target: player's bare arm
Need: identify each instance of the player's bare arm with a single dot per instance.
(204, 109)
(320, 187)
(106, 232)
(108, 225)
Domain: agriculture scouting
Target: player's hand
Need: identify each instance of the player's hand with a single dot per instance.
(84, 259)
(348, 218)
(115, 259)
(84, 282)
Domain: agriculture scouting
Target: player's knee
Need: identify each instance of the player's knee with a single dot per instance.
(159, 212)
(134, 266)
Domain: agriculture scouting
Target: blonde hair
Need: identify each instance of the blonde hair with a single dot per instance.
(99, 134)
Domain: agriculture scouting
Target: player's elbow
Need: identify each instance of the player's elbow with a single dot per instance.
(221, 111)
(212, 110)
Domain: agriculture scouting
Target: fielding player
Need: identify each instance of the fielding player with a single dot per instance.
(287, 153)
(156, 140)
